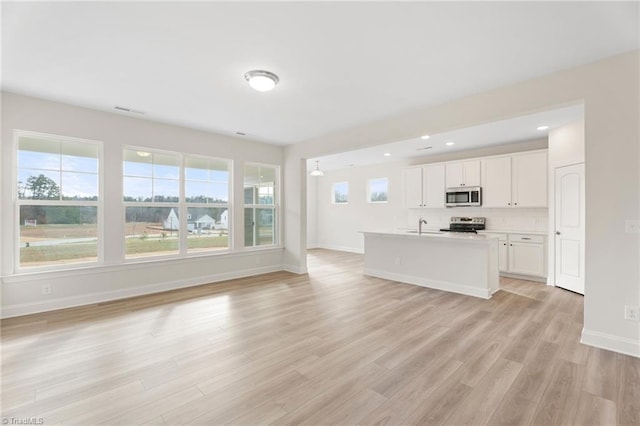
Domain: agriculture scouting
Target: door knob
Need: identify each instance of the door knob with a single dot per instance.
(557, 232)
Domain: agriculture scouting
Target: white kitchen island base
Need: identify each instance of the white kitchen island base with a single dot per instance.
(459, 263)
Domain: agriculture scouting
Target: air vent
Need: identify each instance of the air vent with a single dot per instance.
(425, 148)
(133, 111)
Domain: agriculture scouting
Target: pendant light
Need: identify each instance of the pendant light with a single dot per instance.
(317, 171)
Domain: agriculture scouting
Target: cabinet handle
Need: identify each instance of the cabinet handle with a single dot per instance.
(508, 204)
(504, 244)
(515, 204)
(511, 245)
(526, 238)
(557, 232)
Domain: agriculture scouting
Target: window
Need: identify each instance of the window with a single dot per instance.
(378, 190)
(260, 201)
(58, 200)
(340, 193)
(207, 198)
(151, 194)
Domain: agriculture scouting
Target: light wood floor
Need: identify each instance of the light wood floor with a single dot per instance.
(332, 347)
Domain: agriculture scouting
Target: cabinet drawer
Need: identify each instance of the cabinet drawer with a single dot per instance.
(525, 238)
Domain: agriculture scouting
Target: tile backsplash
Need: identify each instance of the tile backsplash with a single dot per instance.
(526, 220)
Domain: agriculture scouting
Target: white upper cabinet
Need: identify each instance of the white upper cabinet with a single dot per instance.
(518, 180)
(433, 185)
(496, 182)
(424, 186)
(529, 179)
(463, 173)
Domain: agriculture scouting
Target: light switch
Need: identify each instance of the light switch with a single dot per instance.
(632, 226)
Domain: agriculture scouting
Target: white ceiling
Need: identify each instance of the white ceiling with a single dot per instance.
(340, 64)
(513, 130)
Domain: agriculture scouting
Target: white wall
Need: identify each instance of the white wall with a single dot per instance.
(610, 91)
(312, 212)
(566, 146)
(22, 293)
(339, 225)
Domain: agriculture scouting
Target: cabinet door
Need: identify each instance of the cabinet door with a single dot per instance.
(412, 187)
(496, 182)
(433, 185)
(530, 180)
(454, 175)
(471, 173)
(503, 252)
(526, 258)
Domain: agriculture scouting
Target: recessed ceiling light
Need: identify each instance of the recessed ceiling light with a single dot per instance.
(425, 137)
(543, 127)
(450, 143)
(387, 154)
(261, 80)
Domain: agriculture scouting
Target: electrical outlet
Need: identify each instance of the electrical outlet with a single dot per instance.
(632, 226)
(46, 288)
(632, 313)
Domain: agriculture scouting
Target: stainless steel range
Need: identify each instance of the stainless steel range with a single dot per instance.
(465, 224)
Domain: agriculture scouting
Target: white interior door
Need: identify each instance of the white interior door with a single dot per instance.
(569, 227)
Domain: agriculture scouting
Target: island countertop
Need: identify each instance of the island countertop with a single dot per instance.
(453, 236)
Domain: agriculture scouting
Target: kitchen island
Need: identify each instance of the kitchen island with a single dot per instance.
(455, 262)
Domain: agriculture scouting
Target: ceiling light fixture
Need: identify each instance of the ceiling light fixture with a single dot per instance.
(261, 80)
(387, 154)
(317, 171)
(425, 137)
(450, 143)
(543, 127)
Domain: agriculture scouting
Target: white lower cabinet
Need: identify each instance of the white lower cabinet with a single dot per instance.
(522, 254)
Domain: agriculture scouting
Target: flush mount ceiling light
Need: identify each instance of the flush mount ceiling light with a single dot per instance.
(387, 154)
(425, 137)
(450, 143)
(543, 127)
(261, 80)
(317, 171)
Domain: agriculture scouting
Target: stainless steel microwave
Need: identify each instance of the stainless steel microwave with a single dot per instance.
(458, 197)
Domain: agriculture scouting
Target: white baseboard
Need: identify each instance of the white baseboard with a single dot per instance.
(610, 342)
(341, 248)
(295, 269)
(88, 299)
(524, 277)
(437, 285)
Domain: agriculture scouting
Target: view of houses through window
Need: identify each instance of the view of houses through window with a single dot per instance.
(154, 206)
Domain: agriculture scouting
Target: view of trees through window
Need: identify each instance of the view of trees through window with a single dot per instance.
(259, 205)
(154, 206)
(58, 193)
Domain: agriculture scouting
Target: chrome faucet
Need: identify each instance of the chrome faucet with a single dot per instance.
(420, 222)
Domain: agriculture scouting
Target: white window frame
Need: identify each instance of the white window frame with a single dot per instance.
(277, 235)
(369, 182)
(333, 193)
(18, 202)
